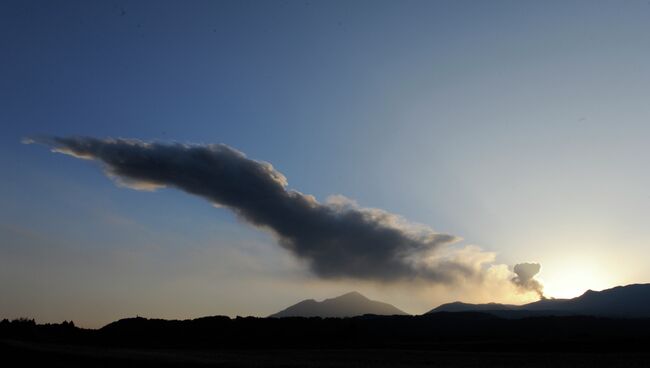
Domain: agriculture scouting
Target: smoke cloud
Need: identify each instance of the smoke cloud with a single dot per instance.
(337, 238)
(525, 278)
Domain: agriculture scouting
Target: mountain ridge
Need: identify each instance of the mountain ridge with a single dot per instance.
(347, 305)
(628, 301)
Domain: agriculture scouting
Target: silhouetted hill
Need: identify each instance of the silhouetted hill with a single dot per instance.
(629, 301)
(458, 338)
(441, 331)
(467, 307)
(347, 305)
(443, 339)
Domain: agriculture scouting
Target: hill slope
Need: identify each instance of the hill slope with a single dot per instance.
(347, 305)
(629, 301)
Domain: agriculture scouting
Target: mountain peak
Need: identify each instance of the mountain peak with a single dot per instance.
(347, 305)
(352, 295)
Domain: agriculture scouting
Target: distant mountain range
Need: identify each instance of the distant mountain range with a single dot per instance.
(347, 305)
(631, 301)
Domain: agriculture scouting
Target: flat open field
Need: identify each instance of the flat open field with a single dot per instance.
(53, 355)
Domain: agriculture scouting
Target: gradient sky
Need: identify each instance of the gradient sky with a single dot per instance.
(520, 126)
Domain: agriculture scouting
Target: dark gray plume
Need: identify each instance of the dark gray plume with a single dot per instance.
(525, 278)
(336, 238)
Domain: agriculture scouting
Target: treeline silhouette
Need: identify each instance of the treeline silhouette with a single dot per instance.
(25, 328)
(470, 331)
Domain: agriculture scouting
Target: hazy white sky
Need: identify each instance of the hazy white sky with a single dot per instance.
(518, 126)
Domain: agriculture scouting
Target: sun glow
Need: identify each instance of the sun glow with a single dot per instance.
(571, 281)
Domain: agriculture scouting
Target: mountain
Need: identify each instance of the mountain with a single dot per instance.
(629, 301)
(467, 307)
(347, 305)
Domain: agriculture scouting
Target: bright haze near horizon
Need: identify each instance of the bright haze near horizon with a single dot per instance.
(519, 126)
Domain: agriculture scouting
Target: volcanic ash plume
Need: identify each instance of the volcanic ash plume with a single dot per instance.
(337, 238)
(525, 278)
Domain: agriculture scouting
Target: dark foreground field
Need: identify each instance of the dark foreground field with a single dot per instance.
(49, 355)
(441, 340)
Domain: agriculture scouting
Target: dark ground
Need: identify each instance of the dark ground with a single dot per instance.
(441, 340)
(49, 355)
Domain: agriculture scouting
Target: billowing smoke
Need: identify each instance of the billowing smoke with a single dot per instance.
(525, 278)
(337, 239)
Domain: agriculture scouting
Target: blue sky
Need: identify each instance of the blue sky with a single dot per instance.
(519, 126)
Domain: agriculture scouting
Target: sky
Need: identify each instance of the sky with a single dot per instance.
(518, 127)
